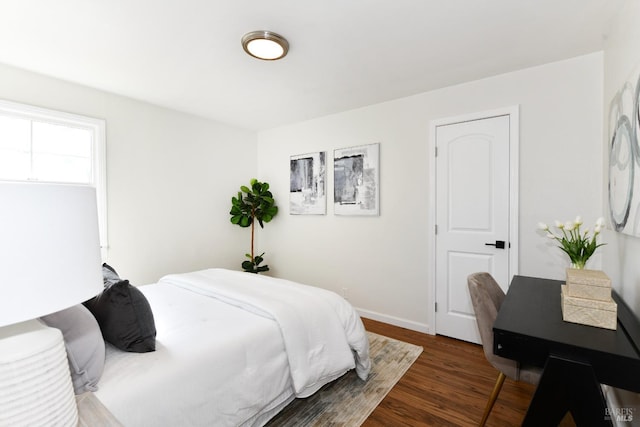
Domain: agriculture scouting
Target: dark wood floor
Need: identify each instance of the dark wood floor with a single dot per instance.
(448, 385)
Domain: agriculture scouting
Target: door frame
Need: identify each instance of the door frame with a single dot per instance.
(514, 168)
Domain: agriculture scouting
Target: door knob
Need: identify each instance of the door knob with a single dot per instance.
(499, 244)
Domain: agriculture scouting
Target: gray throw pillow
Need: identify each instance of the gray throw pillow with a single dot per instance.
(84, 343)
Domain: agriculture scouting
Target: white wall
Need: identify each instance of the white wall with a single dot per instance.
(382, 260)
(170, 178)
(621, 255)
(622, 64)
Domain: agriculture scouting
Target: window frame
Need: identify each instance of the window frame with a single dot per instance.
(98, 149)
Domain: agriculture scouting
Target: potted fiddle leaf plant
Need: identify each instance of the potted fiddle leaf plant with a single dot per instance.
(253, 203)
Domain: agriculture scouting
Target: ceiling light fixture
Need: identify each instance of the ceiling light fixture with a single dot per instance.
(265, 45)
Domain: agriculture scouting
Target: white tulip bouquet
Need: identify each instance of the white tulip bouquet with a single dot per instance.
(578, 244)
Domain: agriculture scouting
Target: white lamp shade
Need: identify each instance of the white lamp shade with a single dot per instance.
(49, 249)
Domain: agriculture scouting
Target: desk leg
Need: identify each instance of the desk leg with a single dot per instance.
(567, 385)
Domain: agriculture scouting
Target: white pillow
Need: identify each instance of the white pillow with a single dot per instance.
(84, 343)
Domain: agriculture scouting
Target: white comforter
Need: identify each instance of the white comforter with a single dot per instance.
(323, 335)
(227, 359)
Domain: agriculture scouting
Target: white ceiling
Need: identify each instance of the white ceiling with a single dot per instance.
(345, 54)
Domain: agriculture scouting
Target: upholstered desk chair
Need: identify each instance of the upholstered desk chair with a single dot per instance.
(487, 297)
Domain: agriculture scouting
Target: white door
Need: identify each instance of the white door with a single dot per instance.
(472, 216)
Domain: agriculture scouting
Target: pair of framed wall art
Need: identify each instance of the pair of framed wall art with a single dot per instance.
(356, 182)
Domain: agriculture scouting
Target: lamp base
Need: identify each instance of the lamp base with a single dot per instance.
(35, 382)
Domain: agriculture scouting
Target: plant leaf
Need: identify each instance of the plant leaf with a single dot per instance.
(272, 210)
(248, 266)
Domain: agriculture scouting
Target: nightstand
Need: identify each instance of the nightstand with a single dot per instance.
(92, 413)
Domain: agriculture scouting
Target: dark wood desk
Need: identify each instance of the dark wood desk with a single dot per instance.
(576, 358)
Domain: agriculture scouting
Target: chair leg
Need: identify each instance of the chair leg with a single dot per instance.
(492, 399)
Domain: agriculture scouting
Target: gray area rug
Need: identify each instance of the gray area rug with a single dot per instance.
(348, 401)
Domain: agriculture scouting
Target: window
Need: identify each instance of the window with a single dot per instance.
(38, 144)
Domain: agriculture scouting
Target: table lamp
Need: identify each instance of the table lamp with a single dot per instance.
(49, 261)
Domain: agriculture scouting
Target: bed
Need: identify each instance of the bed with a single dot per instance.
(232, 349)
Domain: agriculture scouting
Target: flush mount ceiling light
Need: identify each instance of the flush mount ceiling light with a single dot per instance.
(265, 45)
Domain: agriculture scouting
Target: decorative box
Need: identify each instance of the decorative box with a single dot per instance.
(589, 284)
(592, 312)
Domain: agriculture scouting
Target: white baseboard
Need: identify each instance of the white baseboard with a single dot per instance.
(396, 321)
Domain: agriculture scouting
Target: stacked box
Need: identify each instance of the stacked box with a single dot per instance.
(589, 284)
(586, 299)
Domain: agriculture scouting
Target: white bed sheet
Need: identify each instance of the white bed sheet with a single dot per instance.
(240, 376)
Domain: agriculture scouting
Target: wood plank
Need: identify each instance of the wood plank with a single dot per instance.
(448, 385)
(92, 413)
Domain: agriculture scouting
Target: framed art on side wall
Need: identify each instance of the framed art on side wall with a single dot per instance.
(307, 184)
(624, 157)
(356, 180)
